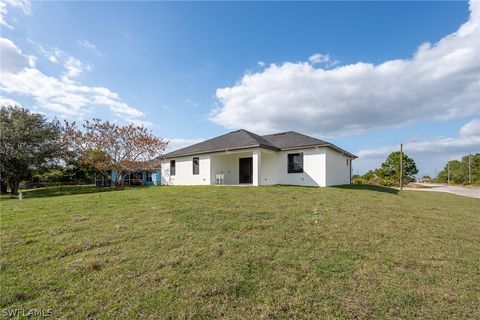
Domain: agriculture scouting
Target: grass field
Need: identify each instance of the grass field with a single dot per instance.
(354, 252)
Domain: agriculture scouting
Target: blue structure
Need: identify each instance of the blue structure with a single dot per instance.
(144, 177)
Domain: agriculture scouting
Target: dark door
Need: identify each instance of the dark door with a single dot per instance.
(245, 170)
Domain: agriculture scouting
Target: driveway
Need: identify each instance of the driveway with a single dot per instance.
(473, 192)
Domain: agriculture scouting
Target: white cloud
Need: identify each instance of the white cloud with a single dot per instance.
(3, 14)
(322, 59)
(4, 101)
(24, 5)
(13, 59)
(427, 153)
(137, 122)
(440, 81)
(53, 59)
(90, 46)
(471, 128)
(178, 143)
(52, 55)
(75, 67)
(60, 96)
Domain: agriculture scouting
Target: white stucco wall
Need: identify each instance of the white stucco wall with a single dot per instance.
(338, 172)
(184, 171)
(227, 163)
(321, 167)
(270, 168)
(275, 168)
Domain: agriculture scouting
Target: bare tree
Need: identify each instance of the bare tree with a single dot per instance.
(107, 146)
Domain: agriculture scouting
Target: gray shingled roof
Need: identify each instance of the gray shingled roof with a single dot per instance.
(292, 139)
(239, 139)
(242, 139)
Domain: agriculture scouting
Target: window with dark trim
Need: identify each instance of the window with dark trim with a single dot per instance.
(295, 162)
(172, 167)
(148, 176)
(196, 165)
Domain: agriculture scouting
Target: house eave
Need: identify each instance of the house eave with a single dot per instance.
(331, 146)
(216, 151)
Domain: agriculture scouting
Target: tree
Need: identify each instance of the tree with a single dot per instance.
(28, 141)
(390, 169)
(426, 178)
(67, 172)
(107, 146)
(3, 186)
(459, 170)
(475, 167)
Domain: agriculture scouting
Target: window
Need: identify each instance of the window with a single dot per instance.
(347, 162)
(172, 167)
(148, 176)
(196, 165)
(295, 162)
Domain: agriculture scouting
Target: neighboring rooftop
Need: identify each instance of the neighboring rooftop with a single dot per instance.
(242, 139)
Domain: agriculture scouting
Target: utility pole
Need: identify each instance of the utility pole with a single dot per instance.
(401, 166)
(470, 168)
(448, 172)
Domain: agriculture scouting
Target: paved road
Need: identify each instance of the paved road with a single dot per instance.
(461, 191)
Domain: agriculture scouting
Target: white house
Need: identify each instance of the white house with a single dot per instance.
(242, 157)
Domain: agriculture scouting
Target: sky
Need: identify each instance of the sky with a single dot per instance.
(365, 76)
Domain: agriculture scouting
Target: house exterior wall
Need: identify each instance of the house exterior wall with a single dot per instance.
(321, 167)
(184, 171)
(257, 166)
(275, 168)
(270, 169)
(338, 172)
(227, 163)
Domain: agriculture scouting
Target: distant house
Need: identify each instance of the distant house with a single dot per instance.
(150, 177)
(245, 158)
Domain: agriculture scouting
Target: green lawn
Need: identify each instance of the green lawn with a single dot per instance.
(242, 252)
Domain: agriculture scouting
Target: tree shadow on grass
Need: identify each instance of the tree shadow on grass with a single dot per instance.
(369, 187)
(65, 191)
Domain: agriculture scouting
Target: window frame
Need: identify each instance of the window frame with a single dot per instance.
(291, 164)
(172, 166)
(196, 166)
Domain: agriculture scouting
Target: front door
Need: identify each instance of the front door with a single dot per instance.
(245, 170)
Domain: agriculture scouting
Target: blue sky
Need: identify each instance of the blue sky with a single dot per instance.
(354, 73)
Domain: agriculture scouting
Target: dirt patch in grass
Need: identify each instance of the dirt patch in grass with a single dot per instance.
(94, 265)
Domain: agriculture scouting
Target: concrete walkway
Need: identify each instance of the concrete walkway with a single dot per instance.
(472, 192)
